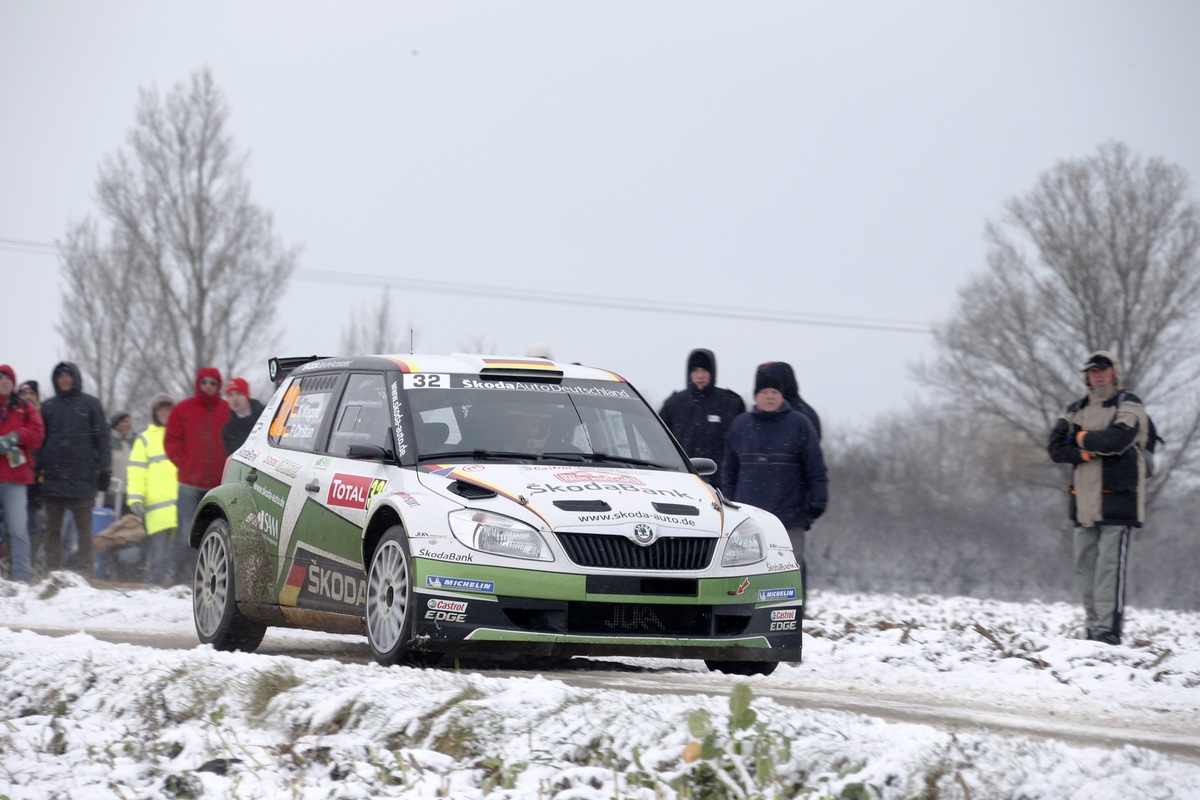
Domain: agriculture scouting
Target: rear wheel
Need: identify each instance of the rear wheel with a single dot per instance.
(390, 610)
(214, 600)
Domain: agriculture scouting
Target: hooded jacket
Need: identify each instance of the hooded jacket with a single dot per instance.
(76, 456)
(1103, 436)
(22, 418)
(774, 461)
(791, 393)
(193, 437)
(700, 418)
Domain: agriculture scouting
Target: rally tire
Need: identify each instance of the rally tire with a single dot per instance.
(214, 597)
(389, 603)
(742, 667)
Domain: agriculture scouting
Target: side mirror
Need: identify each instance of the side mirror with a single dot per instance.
(704, 466)
(366, 452)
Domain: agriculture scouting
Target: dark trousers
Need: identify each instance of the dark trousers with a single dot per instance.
(81, 510)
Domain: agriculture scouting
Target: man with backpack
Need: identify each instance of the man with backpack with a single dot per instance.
(1104, 436)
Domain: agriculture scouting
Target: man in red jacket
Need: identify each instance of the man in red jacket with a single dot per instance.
(193, 443)
(21, 433)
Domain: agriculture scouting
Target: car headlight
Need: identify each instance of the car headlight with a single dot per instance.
(745, 545)
(494, 533)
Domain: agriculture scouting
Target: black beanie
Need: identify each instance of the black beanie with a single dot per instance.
(767, 377)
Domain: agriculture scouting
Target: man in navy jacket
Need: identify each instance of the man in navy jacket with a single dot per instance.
(700, 415)
(773, 459)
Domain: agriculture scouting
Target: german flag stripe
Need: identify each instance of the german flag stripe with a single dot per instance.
(291, 590)
(519, 363)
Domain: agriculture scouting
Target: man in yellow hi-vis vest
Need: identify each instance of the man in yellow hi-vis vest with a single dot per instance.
(153, 488)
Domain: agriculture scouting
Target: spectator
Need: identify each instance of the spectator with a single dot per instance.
(1103, 436)
(791, 393)
(153, 483)
(28, 392)
(700, 415)
(193, 443)
(21, 432)
(773, 460)
(76, 462)
(122, 437)
(244, 411)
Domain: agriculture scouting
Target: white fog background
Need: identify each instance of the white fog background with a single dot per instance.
(834, 162)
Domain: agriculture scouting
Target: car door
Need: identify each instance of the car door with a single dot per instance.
(327, 569)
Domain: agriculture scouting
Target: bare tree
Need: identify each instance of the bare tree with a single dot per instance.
(374, 331)
(192, 269)
(1103, 253)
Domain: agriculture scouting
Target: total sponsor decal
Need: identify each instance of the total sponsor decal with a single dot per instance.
(783, 619)
(446, 611)
(765, 595)
(438, 582)
(353, 491)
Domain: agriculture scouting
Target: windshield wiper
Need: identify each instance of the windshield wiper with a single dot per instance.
(475, 455)
(637, 462)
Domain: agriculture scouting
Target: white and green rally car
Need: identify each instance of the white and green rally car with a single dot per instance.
(474, 505)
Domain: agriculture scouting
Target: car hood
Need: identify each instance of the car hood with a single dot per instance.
(582, 497)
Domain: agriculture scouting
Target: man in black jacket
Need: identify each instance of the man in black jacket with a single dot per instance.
(701, 414)
(76, 462)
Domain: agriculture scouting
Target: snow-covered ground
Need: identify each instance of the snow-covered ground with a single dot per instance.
(83, 718)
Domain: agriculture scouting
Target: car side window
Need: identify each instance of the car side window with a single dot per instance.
(362, 416)
(297, 421)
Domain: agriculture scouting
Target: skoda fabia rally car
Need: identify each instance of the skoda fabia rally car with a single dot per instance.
(477, 506)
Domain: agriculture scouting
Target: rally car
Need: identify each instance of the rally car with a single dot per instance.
(474, 506)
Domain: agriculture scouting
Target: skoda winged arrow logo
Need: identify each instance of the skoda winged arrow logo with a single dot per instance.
(643, 534)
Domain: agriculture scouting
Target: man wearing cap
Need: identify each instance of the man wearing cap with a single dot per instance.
(76, 462)
(1103, 436)
(21, 433)
(193, 443)
(700, 415)
(773, 460)
(244, 411)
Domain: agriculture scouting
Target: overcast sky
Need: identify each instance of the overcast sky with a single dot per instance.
(816, 160)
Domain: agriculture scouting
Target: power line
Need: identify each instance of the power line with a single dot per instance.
(568, 298)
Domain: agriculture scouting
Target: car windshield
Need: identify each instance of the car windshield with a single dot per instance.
(576, 421)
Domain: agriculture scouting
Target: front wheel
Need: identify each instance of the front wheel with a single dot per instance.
(390, 610)
(214, 601)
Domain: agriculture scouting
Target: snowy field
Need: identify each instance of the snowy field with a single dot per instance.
(84, 718)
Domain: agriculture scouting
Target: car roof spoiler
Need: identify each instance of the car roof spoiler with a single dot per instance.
(280, 366)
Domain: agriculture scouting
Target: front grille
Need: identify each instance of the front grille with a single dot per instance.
(608, 551)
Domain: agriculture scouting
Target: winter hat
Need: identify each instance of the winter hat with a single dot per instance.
(238, 385)
(32, 385)
(116, 418)
(767, 377)
(160, 400)
(702, 359)
(5, 369)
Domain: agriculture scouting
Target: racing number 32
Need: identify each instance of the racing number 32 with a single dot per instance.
(426, 380)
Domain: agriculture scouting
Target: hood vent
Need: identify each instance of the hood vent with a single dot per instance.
(471, 491)
(675, 509)
(582, 505)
